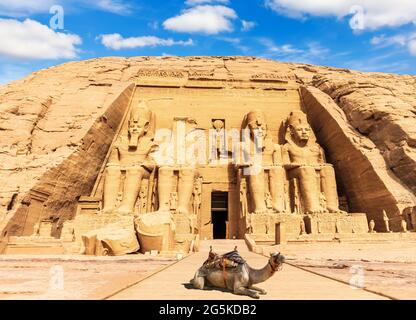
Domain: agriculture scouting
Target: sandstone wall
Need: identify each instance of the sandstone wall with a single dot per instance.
(369, 183)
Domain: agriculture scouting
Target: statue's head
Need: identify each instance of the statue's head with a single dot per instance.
(140, 123)
(298, 127)
(256, 123)
(218, 124)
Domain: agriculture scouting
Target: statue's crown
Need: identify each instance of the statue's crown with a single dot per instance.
(297, 117)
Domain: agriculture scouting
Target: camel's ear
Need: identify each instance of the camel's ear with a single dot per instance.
(271, 254)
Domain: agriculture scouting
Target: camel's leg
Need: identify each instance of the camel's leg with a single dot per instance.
(246, 292)
(260, 290)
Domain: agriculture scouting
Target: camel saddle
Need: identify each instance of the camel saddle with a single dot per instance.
(229, 260)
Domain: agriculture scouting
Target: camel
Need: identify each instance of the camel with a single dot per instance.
(232, 272)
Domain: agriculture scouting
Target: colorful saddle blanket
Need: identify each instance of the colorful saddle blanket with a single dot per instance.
(228, 260)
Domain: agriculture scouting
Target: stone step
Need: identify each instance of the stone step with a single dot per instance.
(34, 245)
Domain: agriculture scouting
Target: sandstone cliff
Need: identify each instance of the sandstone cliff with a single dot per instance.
(57, 124)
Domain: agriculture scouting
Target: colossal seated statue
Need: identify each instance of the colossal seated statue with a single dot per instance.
(304, 160)
(260, 154)
(131, 154)
(186, 170)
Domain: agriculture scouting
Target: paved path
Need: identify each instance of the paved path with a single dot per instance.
(290, 283)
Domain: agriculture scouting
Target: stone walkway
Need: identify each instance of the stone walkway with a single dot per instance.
(290, 283)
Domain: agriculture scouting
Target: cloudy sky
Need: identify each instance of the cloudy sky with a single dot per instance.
(365, 35)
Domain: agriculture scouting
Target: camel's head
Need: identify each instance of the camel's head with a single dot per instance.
(276, 260)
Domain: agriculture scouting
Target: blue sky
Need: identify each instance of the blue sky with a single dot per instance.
(365, 35)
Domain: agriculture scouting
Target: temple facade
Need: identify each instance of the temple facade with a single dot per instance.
(214, 159)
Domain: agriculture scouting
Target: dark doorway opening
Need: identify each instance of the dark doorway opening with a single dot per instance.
(219, 214)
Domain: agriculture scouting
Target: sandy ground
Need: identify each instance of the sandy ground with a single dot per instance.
(387, 268)
(71, 277)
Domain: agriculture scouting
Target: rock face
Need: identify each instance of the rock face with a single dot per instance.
(56, 127)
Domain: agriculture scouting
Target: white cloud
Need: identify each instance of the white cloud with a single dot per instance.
(203, 19)
(116, 42)
(412, 47)
(401, 40)
(374, 14)
(17, 8)
(247, 25)
(114, 6)
(198, 2)
(31, 40)
(311, 52)
(285, 49)
(24, 8)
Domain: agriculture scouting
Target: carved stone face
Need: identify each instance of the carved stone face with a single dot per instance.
(257, 124)
(218, 125)
(301, 132)
(137, 128)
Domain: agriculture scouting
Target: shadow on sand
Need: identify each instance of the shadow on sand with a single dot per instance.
(189, 286)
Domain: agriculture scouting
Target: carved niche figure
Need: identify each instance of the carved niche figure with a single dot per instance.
(260, 153)
(268, 201)
(304, 160)
(187, 171)
(243, 198)
(173, 201)
(219, 149)
(404, 226)
(130, 154)
(372, 225)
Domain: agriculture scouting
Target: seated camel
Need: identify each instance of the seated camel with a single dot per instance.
(231, 271)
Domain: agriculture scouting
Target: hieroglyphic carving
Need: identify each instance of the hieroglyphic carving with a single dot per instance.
(275, 77)
(157, 73)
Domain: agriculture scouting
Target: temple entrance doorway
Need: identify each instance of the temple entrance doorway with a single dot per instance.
(219, 214)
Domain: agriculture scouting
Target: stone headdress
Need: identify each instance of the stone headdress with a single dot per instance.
(251, 117)
(297, 117)
(141, 111)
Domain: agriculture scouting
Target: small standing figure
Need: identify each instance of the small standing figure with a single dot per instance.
(269, 202)
(404, 226)
(386, 221)
(302, 227)
(243, 198)
(173, 203)
(318, 224)
(119, 198)
(296, 203)
(372, 225)
(322, 202)
(249, 226)
(337, 226)
(197, 196)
